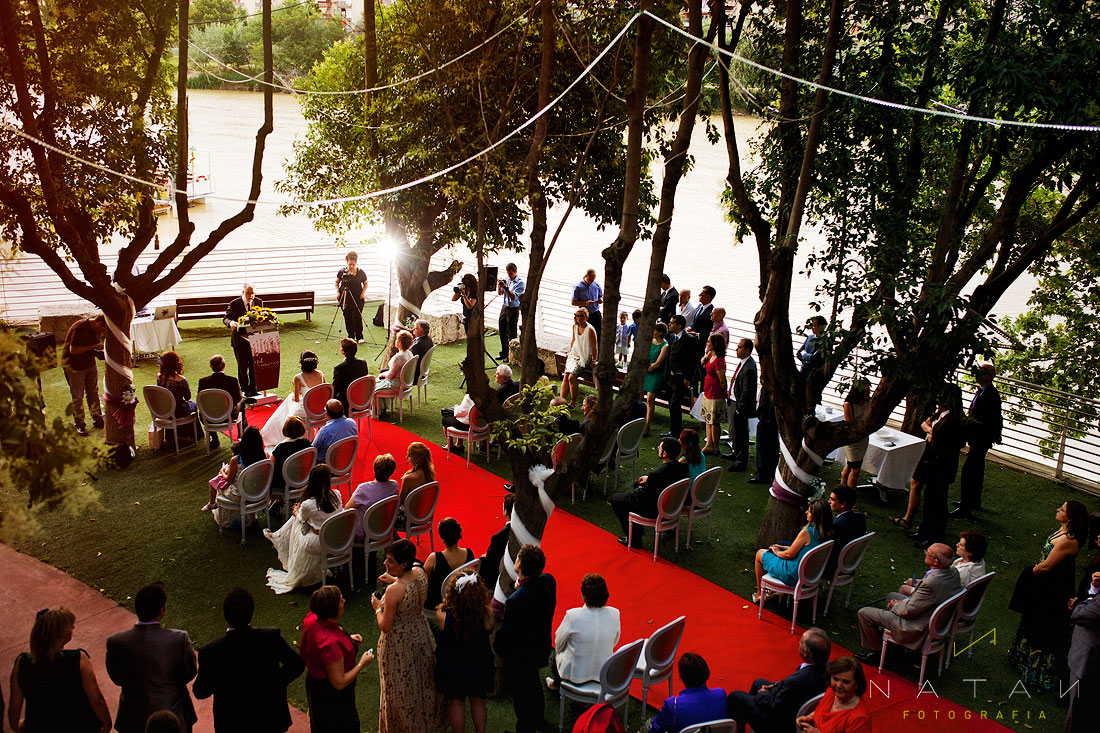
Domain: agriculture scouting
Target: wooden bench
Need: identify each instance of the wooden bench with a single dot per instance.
(214, 307)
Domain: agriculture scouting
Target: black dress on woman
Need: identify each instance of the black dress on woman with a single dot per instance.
(54, 694)
(439, 574)
(1041, 646)
(463, 667)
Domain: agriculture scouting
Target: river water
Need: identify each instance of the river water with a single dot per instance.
(702, 249)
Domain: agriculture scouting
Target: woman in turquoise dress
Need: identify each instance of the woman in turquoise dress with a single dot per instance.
(655, 374)
(691, 454)
(1042, 596)
(782, 561)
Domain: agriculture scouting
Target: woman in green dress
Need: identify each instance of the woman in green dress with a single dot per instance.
(655, 374)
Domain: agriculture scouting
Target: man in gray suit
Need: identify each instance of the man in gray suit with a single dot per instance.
(152, 665)
(907, 618)
(1084, 661)
(742, 405)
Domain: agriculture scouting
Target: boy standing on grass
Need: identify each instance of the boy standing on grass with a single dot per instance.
(622, 339)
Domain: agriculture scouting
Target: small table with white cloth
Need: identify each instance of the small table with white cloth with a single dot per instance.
(153, 336)
(894, 455)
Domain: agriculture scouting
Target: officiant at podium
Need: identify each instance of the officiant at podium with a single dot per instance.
(246, 370)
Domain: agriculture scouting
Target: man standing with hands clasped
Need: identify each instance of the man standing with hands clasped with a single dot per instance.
(246, 371)
(983, 429)
(588, 294)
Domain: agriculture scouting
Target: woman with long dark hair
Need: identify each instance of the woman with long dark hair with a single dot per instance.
(938, 465)
(170, 376)
(714, 391)
(467, 293)
(298, 542)
(248, 450)
(463, 657)
(782, 561)
(691, 454)
(1042, 596)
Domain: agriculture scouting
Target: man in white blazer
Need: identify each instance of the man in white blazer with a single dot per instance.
(586, 637)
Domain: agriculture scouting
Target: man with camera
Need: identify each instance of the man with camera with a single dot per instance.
(508, 326)
(351, 282)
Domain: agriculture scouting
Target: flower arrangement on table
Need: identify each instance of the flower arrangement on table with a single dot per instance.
(257, 316)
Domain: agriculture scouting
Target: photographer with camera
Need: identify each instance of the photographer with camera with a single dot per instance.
(466, 291)
(508, 325)
(351, 282)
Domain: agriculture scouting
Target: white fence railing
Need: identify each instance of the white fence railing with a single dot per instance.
(26, 284)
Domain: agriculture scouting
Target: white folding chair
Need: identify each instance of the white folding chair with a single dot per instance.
(399, 391)
(476, 432)
(846, 565)
(215, 407)
(605, 462)
(337, 536)
(296, 470)
(420, 512)
(628, 441)
(723, 725)
(704, 489)
(474, 566)
(934, 639)
(378, 521)
(967, 613)
(658, 656)
(340, 459)
(613, 687)
(809, 706)
(314, 401)
(669, 506)
(425, 370)
(361, 401)
(253, 494)
(162, 406)
(810, 569)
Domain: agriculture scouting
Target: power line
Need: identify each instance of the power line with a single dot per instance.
(249, 15)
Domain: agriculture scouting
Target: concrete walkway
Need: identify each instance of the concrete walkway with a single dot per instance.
(30, 585)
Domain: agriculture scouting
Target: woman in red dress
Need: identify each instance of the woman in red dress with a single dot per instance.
(842, 708)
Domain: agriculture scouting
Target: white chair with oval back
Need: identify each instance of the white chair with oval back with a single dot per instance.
(670, 504)
(215, 407)
(658, 656)
(700, 501)
(378, 521)
(253, 494)
(613, 687)
(340, 459)
(810, 569)
(162, 406)
(314, 400)
(420, 507)
(425, 370)
(361, 401)
(296, 470)
(337, 537)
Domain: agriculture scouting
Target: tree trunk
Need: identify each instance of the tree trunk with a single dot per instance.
(118, 368)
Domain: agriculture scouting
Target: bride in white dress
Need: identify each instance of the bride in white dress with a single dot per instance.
(272, 431)
(298, 541)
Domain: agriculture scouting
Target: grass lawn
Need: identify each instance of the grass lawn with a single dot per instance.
(149, 526)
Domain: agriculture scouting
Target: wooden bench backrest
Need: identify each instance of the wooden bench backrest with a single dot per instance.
(214, 306)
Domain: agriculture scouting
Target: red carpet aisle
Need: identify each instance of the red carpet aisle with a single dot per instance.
(721, 626)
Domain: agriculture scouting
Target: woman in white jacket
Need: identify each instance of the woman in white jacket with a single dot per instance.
(586, 637)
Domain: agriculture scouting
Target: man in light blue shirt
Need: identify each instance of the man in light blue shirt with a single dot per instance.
(337, 428)
(588, 294)
(508, 325)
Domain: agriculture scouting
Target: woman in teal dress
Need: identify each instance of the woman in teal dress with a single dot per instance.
(782, 561)
(655, 374)
(1042, 596)
(691, 454)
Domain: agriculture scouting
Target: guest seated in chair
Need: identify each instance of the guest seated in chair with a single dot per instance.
(781, 561)
(369, 493)
(647, 490)
(347, 371)
(249, 450)
(170, 376)
(970, 561)
(586, 637)
(422, 472)
(772, 706)
(298, 542)
(337, 428)
(218, 379)
(696, 704)
(294, 440)
(907, 617)
(390, 375)
(848, 524)
(506, 386)
(842, 709)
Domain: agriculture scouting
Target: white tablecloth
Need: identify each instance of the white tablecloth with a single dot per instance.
(894, 456)
(828, 413)
(154, 336)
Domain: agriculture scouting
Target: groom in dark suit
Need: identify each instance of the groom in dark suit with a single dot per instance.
(523, 639)
(347, 371)
(247, 672)
(772, 706)
(152, 665)
(983, 429)
(246, 372)
(742, 405)
(643, 498)
(670, 298)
